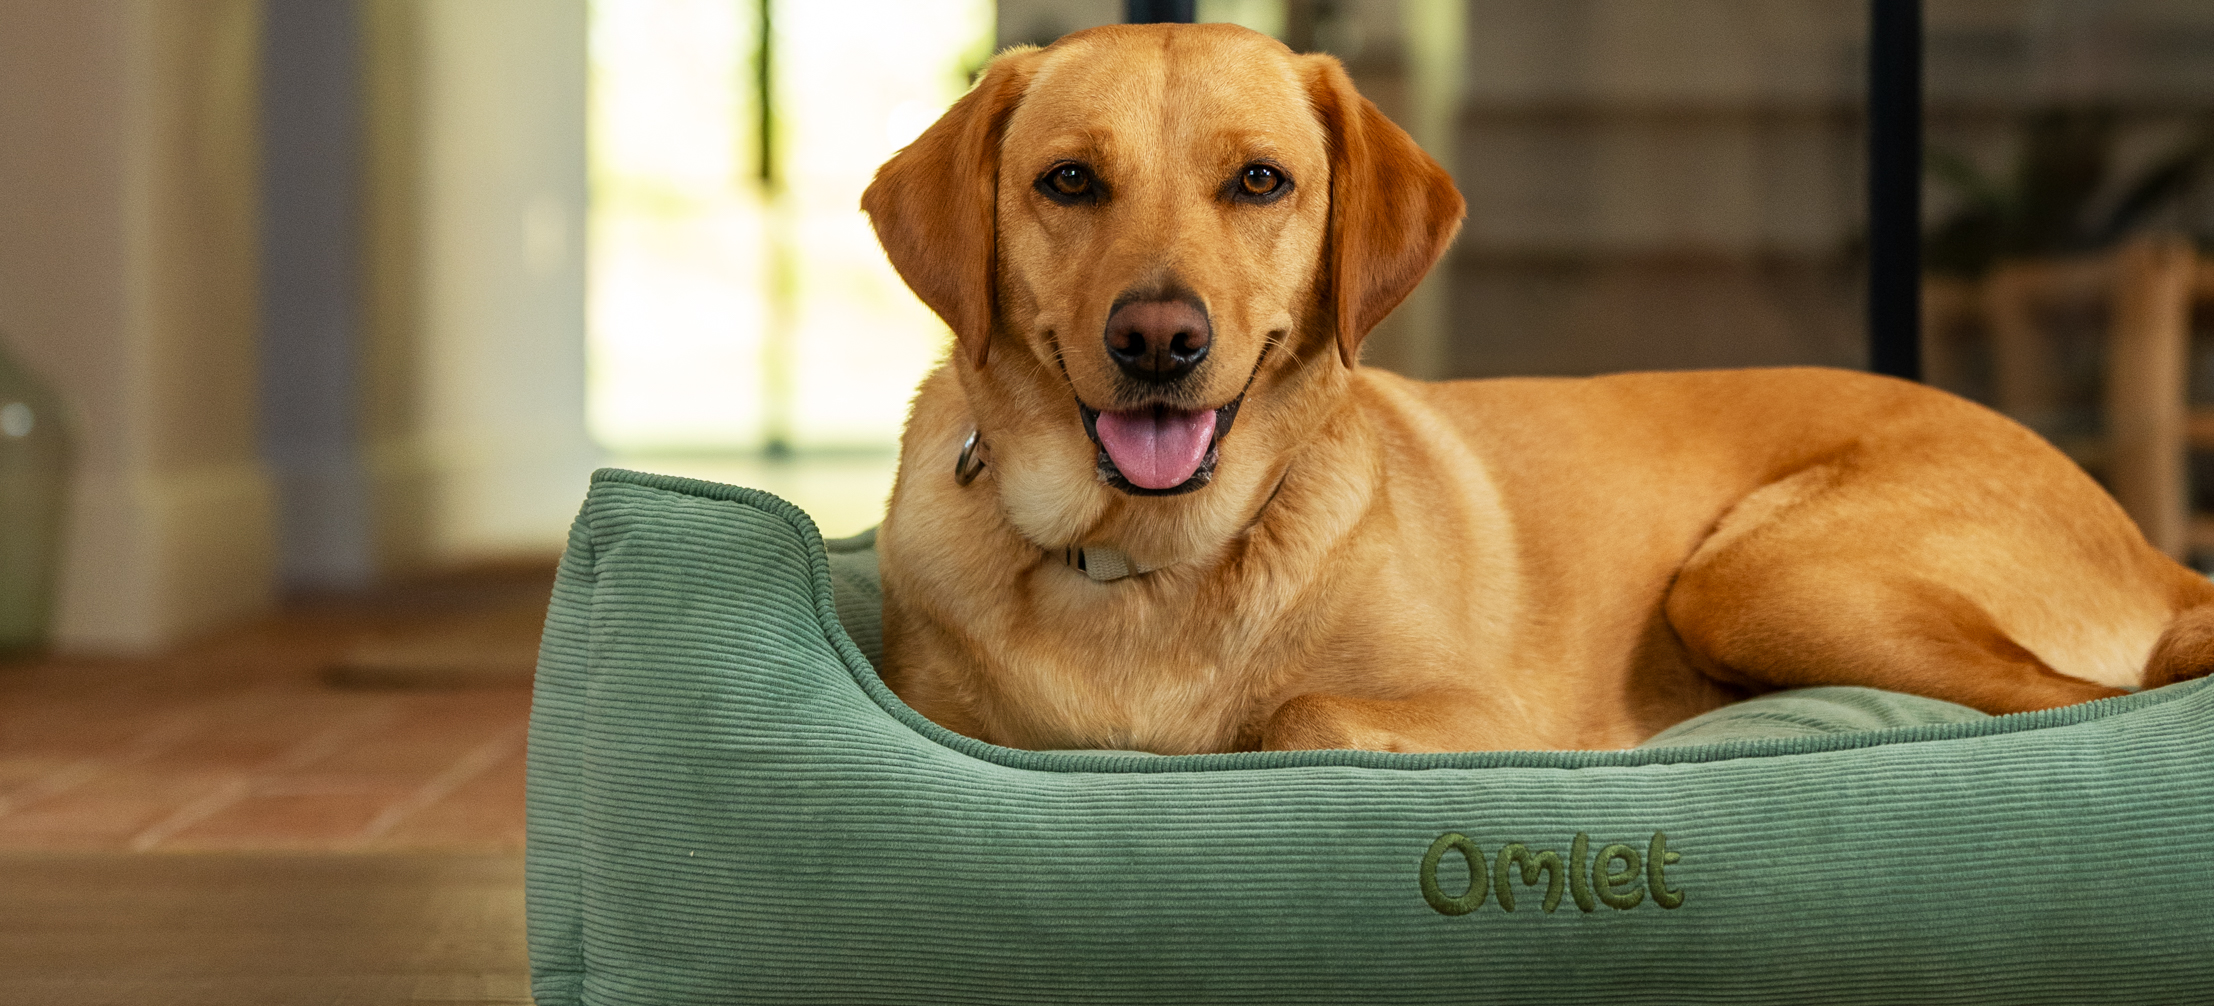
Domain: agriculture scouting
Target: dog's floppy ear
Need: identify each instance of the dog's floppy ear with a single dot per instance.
(1392, 208)
(933, 203)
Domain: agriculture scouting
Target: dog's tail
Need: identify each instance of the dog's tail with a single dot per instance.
(2185, 650)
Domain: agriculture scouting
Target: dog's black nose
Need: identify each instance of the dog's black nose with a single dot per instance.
(1158, 340)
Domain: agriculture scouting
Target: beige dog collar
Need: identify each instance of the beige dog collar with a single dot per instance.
(1102, 563)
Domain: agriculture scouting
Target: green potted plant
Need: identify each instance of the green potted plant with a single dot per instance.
(2051, 205)
(34, 484)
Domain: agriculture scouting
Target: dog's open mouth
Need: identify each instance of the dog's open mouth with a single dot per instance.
(1158, 450)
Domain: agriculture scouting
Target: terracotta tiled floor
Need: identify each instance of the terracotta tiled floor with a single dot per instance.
(228, 824)
(241, 743)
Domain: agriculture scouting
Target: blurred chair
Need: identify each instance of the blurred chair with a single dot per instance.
(2148, 289)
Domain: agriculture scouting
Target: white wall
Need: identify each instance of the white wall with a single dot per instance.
(129, 216)
(502, 192)
(128, 197)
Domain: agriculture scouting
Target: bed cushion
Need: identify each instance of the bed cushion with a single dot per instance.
(726, 805)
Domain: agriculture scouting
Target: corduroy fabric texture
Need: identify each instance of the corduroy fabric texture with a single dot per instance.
(1812, 712)
(858, 592)
(727, 806)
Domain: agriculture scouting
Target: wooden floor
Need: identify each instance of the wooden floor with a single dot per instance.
(248, 928)
(326, 807)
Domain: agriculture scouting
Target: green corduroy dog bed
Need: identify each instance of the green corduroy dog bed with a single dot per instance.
(727, 806)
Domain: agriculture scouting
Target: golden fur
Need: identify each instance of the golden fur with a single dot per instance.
(1381, 563)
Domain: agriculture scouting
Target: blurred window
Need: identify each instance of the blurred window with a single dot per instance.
(735, 313)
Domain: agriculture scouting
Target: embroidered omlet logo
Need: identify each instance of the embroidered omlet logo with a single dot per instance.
(1593, 881)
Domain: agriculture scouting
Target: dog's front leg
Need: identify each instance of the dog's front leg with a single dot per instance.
(1433, 721)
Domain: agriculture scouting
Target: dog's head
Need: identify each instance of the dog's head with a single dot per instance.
(1143, 234)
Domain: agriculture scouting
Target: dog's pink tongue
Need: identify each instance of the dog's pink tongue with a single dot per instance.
(1156, 448)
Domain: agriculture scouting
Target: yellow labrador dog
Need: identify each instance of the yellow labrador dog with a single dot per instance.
(1153, 500)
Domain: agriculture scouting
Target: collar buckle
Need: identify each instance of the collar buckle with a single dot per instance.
(971, 461)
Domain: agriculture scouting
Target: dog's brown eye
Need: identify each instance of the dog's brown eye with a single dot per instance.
(1257, 183)
(1070, 183)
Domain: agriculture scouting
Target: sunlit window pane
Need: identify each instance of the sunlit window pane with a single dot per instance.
(677, 242)
(725, 313)
(859, 81)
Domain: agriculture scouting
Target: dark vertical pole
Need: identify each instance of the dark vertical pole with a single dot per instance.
(764, 91)
(311, 321)
(776, 337)
(1159, 11)
(1895, 188)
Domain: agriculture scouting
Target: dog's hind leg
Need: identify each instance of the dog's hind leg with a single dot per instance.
(1831, 577)
(1809, 627)
(2185, 650)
